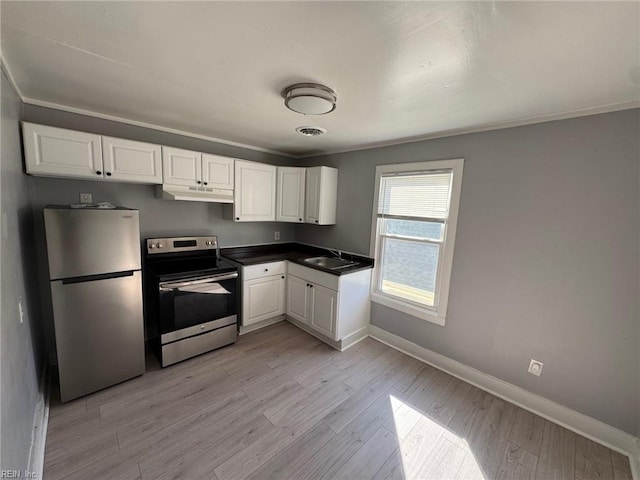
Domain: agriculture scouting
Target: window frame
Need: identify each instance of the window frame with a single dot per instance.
(438, 313)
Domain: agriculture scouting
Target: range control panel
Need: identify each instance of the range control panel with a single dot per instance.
(180, 244)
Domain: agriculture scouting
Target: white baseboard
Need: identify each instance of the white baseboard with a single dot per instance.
(577, 422)
(257, 326)
(356, 337)
(332, 343)
(39, 431)
(340, 345)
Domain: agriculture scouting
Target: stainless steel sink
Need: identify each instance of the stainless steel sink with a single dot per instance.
(331, 263)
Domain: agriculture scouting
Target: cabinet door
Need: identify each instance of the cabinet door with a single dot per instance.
(262, 298)
(255, 192)
(322, 317)
(130, 161)
(290, 202)
(312, 196)
(217, 172)
(298, 297)
(181, 167)
(321, 196)
(58, 152)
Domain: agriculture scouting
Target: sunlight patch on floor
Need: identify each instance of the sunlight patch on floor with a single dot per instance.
(428, 450)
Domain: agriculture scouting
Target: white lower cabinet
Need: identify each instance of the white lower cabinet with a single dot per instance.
(312, 304)
(335, 306)
(298, 296)
(264, 299)
(323, 310)
(263, 292)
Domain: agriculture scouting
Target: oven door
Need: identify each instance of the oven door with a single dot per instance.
(197, 301)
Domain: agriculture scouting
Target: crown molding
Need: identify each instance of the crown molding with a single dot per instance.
(90, 113)
(584, 112)
(7, 72)
(153, 126)
(415, 139)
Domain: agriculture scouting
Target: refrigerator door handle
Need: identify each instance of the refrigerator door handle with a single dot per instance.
(101, 276)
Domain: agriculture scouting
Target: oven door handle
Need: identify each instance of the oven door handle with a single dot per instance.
(215, 278)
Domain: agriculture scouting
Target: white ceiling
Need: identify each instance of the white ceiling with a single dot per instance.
(402, 70)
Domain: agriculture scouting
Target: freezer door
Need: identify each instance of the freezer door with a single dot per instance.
(90, 242)
(99, 333)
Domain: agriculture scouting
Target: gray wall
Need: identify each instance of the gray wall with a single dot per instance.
(157, 217)
(20, 343)
(546, 260)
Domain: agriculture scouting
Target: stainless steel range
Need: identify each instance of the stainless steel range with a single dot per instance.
(190, 297)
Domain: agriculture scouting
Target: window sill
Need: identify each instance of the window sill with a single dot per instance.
(413, 310)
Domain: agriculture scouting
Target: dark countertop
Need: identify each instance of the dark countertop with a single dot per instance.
(294, 252)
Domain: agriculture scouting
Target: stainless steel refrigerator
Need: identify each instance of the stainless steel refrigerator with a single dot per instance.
(96, 290)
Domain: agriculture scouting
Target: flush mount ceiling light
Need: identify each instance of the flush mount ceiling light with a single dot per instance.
(310, 131)
(310, 98)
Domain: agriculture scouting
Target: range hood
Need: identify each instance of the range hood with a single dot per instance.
(194, 194)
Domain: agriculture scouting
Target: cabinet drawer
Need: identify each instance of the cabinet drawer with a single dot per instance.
(315, 276)
(263, 270)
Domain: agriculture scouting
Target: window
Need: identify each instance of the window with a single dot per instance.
(414, 222)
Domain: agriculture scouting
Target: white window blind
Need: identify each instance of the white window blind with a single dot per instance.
(418, 194)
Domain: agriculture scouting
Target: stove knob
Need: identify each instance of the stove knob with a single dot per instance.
(208, 242)
(160, 245)
(151, 246)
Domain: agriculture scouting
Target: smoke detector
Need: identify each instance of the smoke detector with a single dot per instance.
(310, 131)
(310, 98)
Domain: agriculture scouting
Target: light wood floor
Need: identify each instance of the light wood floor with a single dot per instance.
(280, 404)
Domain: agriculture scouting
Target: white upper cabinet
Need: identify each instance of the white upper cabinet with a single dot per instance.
(131, 161)
(290, 200)
(259, 192)
(255, 192)
(195, 169)
(181, 167)
(58, 152)
(321, 195)
(217, 171)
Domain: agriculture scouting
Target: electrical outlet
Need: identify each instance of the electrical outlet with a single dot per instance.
(85, 198)
(276, 235)
(535, 367)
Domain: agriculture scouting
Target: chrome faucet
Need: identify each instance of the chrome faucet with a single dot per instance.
(337, 253)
